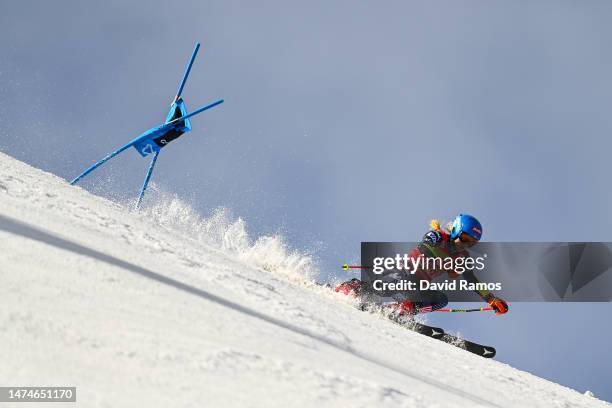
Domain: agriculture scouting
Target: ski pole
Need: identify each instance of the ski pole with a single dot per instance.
(481, 309)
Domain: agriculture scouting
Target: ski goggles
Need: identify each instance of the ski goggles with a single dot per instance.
(467, 239)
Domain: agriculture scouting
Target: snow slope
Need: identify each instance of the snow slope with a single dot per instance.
(167, 309)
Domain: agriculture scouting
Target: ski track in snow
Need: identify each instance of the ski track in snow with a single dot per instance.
(166, 308)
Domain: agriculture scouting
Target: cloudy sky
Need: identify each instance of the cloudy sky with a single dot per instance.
(344, 121)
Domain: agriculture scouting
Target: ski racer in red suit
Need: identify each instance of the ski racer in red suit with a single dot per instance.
(464, 232)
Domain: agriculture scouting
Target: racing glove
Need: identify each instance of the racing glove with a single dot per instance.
(499, 305)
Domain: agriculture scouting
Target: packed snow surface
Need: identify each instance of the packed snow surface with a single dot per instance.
(164, 308)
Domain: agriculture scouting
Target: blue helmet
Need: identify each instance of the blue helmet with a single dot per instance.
(468, 224)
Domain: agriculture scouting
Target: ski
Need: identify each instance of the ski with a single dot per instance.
(430, 331)
(475, 348)
(410, 324)
(440, 334)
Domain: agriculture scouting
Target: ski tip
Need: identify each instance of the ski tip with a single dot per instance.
(488, 352)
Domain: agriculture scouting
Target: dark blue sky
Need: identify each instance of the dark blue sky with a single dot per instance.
(344, 122)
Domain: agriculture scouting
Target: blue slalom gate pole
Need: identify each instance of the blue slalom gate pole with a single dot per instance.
(101, 162)
(184, 80)
(158, 133)
(147, 178)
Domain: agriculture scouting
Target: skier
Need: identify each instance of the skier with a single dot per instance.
(464, 232)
